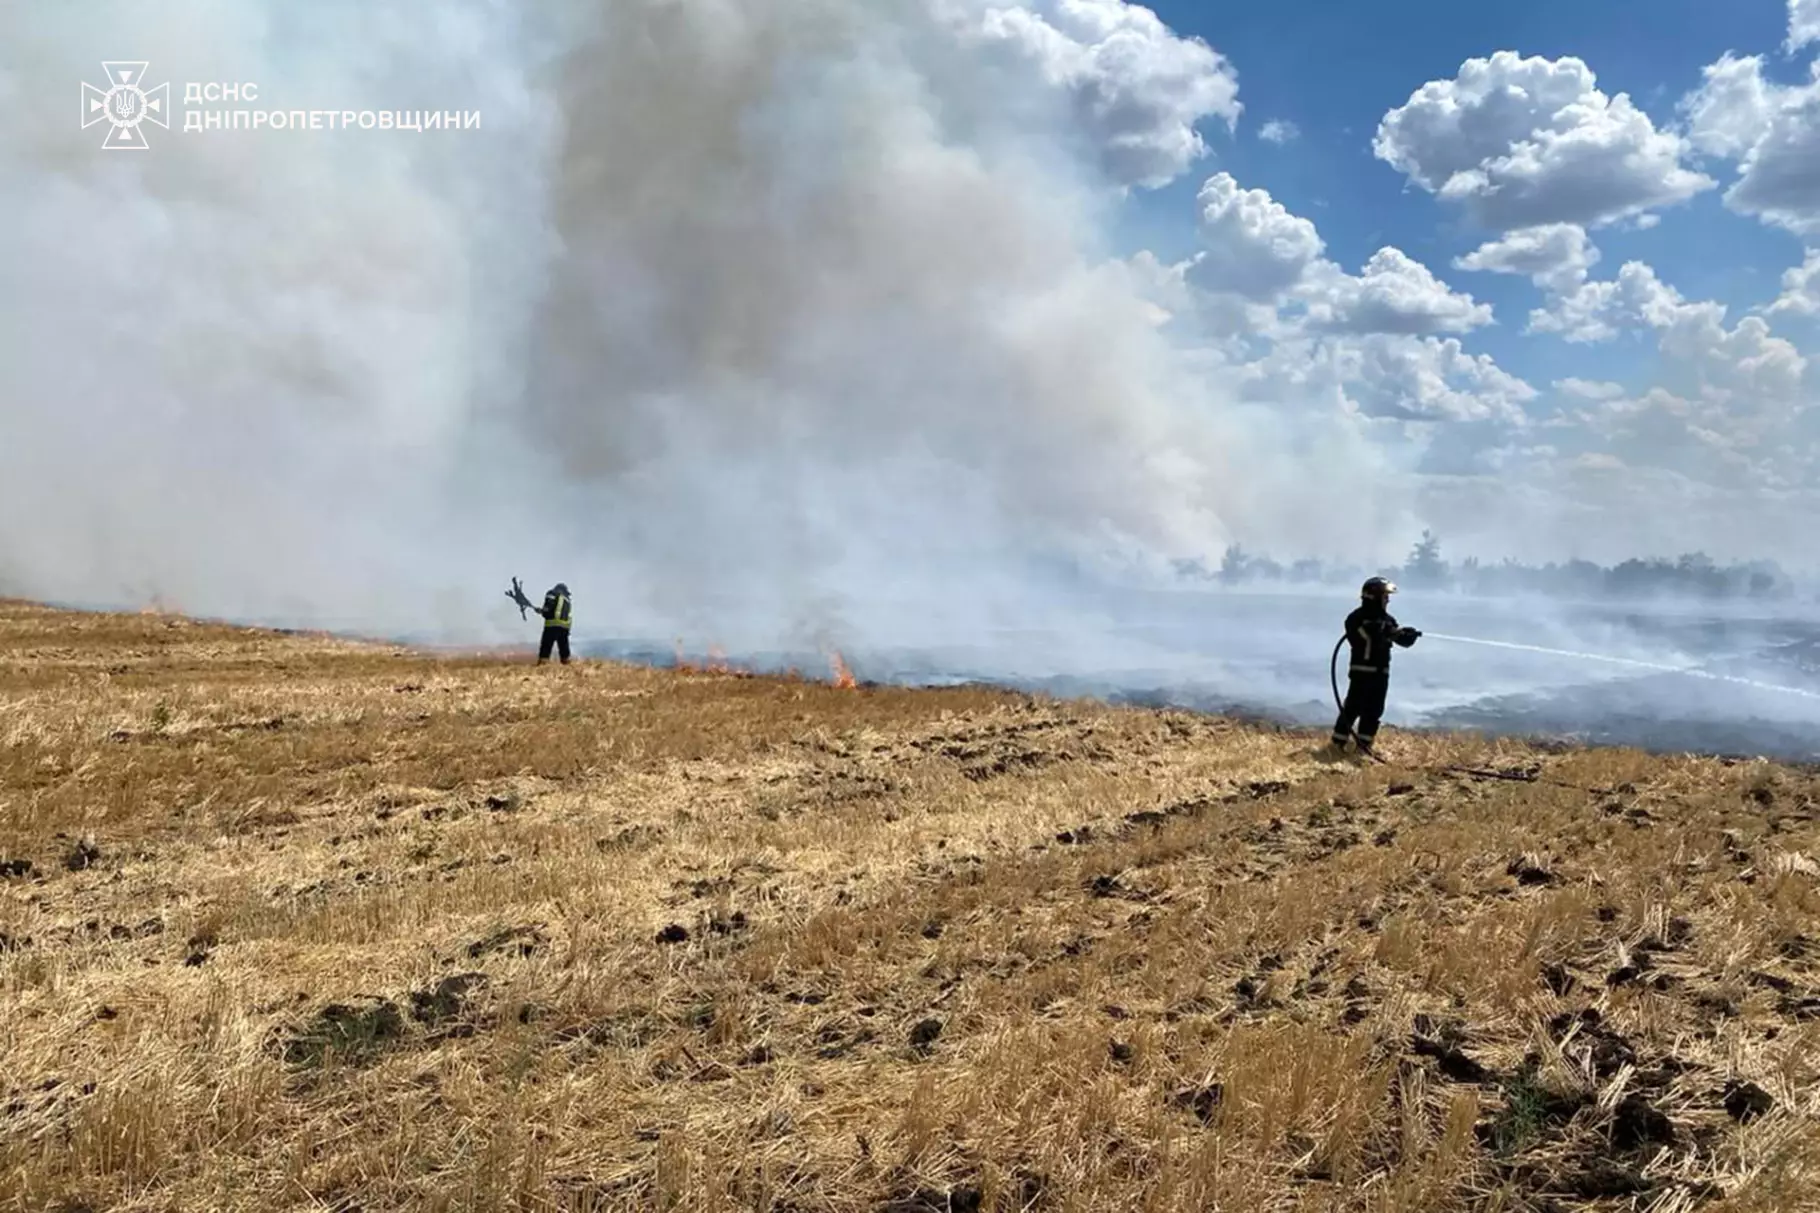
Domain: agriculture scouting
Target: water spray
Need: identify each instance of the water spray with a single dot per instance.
(1629, 661)
(1659, 667)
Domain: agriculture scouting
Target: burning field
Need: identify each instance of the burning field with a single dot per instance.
(289, 922)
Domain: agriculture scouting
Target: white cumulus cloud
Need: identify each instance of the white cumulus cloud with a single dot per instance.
(1732, 108)
(1388, 379)
(1589, 389)
(1745, 363)
(1746, 360)
(1521, 142)
(1135, 86)
(1251, 245)
(1255, 248)
(1801, 287)
(1599, 311)
(1556, 256)
(1392, 293)
(1279, 130)
(1771, 130)
(1303, 331)
(1430, 378)
(1803, 23)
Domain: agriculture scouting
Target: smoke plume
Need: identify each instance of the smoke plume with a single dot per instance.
(766, 322)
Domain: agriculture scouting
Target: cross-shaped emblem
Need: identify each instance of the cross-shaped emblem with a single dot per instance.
(125, 105)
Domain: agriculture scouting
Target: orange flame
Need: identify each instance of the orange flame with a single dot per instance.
(843, 677)
(716, 663)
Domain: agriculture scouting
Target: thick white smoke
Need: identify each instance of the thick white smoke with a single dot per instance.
(766, 322)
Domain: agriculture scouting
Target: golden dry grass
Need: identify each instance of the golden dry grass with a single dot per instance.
(309, 924)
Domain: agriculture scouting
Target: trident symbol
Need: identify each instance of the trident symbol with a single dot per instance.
(125, 105)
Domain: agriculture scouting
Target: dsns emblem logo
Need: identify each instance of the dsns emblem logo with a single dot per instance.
(125, 105)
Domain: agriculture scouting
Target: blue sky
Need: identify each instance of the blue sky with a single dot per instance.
(1572, 301)
(1334, 68)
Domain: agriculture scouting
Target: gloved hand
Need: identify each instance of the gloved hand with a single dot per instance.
(1406, 636)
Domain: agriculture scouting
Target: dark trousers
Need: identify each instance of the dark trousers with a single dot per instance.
(557, 638)
(1364, 707)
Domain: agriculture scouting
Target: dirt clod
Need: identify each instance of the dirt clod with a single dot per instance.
(1746, 1101)
(445, 1000)
(1203, 1101)
(1531, 870)
(1603, 1179)
(965, 1199)
(1451, 1060)
(345, 1033)
(521, 941)
(1638, 1124)
(84, 853)
(924, 1035)
(732, 924)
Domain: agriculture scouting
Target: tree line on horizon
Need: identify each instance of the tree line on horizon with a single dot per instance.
(1692, 575)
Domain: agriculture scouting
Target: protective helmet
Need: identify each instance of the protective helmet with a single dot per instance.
(1377, 587)
(561, 588)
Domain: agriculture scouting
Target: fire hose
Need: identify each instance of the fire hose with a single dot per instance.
(1339, 705)
(1333, 676)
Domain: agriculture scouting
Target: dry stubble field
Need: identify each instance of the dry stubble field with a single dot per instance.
(294, 923)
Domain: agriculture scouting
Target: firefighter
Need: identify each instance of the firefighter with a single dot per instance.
(1371, 630)
(556, 614)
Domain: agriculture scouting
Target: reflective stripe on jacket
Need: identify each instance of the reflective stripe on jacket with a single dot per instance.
(1370, 628)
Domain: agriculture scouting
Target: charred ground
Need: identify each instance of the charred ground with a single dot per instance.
(292, 922)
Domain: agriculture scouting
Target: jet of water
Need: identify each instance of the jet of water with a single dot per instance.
(1647, 665)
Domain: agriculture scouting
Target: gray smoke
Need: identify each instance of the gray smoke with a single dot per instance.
(782, 321)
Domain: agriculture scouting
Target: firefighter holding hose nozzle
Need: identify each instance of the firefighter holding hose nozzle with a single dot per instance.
(1371, 630)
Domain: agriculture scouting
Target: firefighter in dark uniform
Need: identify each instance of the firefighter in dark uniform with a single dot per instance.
(1371, 630)
(556, 615)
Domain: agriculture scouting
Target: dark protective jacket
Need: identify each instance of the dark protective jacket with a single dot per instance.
(555, 610)
(1372, 630)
